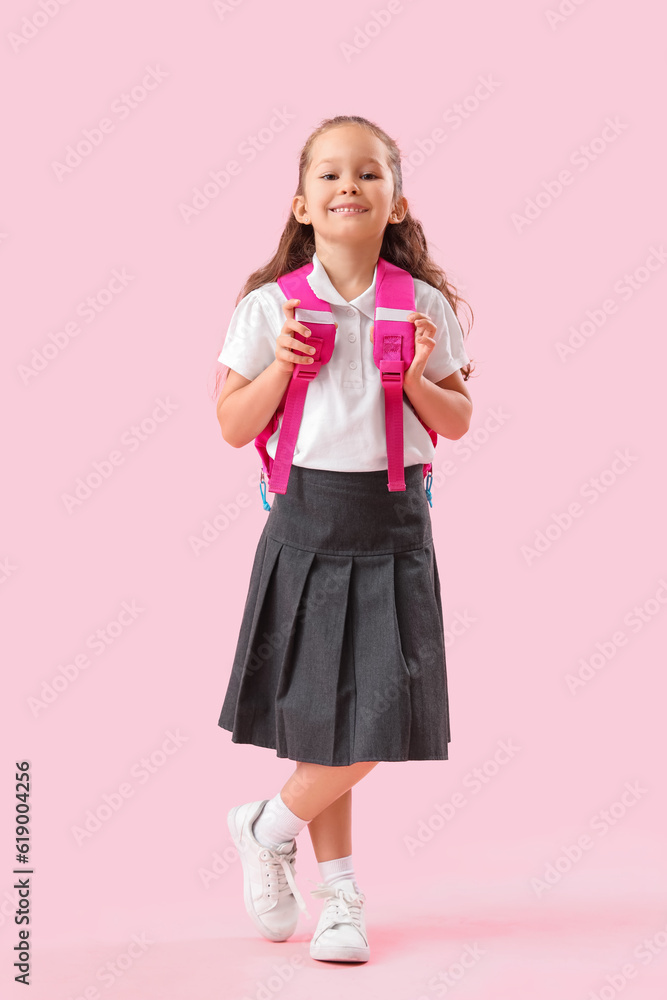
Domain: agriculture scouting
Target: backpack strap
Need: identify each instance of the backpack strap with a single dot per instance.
(315, 314)
(393, 352)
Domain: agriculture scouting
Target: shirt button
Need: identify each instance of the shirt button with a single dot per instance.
(349, 312)
(353, 364)
(351, 337)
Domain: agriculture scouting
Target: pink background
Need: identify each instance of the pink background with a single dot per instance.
(67, 574)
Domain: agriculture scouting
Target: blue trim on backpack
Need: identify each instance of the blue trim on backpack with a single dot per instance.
(429, 480)
(262, 490)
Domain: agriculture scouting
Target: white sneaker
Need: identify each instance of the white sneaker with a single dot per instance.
(340, 935)
(269, 889)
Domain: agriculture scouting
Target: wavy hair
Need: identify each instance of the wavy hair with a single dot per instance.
(404, 243)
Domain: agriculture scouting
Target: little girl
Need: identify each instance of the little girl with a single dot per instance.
(340, 661)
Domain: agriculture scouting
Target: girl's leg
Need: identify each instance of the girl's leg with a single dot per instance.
(331, 830)
(311, 789)
(314, 787)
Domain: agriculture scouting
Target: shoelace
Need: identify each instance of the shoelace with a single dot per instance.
(282, 875)
(343, 907)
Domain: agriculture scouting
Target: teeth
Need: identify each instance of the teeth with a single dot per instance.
(348, 209)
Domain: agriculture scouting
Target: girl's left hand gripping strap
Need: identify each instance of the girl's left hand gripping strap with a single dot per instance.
(316, 314)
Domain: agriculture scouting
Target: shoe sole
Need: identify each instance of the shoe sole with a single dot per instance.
(247, 890)
(333, 954)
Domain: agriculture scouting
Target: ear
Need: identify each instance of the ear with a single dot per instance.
(298, 208)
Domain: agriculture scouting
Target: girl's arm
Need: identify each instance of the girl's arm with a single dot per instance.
(445, 406)
(245, 406)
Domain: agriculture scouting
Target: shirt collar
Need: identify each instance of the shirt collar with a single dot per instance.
(320, 282)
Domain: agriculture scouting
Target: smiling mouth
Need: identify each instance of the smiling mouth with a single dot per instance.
(348, 211)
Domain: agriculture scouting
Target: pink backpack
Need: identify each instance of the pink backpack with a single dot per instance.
(393, 351)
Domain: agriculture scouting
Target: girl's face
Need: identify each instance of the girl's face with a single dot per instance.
(348, 167)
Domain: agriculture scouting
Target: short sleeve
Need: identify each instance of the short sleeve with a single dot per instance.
(449, 354)
(250, 342)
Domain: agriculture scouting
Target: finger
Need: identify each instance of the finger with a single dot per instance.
(300, 346)
(294, 324)
(293, 342)
(415, 317)
(297, 358)
(289, 307)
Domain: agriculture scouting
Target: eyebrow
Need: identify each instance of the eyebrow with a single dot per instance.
(333, 160)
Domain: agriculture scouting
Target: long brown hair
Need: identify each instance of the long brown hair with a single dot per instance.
(404, 243)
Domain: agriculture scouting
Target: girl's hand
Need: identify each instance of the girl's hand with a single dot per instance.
(424, 343)
(286, 343)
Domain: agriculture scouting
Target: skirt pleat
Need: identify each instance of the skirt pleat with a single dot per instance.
(340, 656)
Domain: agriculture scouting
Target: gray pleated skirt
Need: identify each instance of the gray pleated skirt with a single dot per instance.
(341, 654)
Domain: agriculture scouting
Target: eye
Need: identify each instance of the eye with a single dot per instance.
(367, 174)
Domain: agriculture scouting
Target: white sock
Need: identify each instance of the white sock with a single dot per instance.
(276, 823)
(339, 868)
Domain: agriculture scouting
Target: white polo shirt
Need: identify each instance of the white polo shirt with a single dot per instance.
(343, 424)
